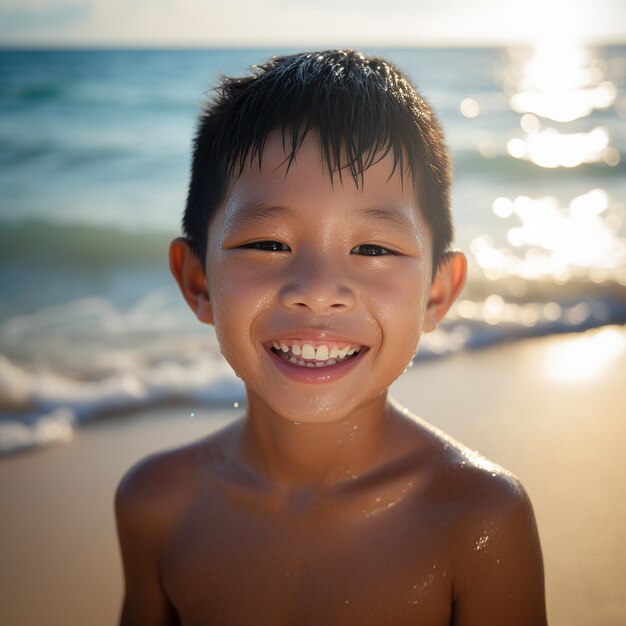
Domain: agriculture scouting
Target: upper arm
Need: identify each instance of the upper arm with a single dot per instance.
(501, 578)
(140, 530)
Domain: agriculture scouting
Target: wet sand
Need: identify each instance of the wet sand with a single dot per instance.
(551, 410)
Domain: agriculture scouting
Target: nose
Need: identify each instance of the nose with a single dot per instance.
(317, 286)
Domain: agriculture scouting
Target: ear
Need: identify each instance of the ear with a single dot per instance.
(188, 271)
(446, 286)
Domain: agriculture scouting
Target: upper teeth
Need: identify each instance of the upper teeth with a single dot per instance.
(309, 352)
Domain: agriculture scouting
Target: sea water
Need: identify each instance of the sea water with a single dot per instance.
(94, 159)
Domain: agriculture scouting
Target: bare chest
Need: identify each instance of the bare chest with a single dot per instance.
(234, 567)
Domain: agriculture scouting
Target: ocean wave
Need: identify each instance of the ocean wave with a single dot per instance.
(40, 407)
(42, 243)
(63, 364)
(488, 313)
(470, 164)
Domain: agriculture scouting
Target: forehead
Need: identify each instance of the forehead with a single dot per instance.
(304, 182)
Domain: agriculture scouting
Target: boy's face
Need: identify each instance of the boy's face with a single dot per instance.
(293, 260)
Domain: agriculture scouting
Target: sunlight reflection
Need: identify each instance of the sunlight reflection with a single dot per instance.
(551, 149)
(566, 106)
(494, 310)
(583, 358)
(469, 107)
(561, 81)
(551, 242)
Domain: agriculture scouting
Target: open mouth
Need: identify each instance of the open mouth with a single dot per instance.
(306, 354)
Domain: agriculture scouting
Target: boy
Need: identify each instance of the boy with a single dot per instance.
(317, 244)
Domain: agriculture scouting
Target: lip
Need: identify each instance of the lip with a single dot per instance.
(318, 375)
(314, 337)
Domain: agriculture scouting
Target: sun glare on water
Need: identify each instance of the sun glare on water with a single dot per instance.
(552, 85)
(551, 241)
(562, 81)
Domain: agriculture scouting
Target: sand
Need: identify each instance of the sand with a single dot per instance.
(551, 410)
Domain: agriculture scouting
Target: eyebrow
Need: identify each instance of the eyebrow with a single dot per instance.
(388, 216)
(252, 214)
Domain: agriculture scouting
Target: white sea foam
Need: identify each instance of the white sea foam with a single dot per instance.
(68, 363)
(42, 407)
(54, 427)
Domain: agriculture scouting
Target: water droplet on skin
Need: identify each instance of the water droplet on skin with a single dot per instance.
(378, 499)
(347, 601)
(355, 427)
(482, 542)
(415, 601)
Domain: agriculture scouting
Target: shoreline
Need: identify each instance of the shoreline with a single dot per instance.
(513, 403)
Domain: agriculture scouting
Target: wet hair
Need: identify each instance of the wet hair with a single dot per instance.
(362, 108)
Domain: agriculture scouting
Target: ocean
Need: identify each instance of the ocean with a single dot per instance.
(94, 160)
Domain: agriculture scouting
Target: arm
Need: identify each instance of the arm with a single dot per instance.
(501, 580)
(140, 532)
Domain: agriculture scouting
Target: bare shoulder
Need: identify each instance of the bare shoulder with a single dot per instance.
(496, 556)
(148, 487)
(474, 486)
(156, 490)
(482, 489)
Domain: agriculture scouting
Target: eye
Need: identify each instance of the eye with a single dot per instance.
(370, 249)
(269, 246)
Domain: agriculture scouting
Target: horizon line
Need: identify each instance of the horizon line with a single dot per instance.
(451, 44)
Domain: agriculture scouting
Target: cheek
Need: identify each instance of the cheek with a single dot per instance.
(400, 303)
(237, 297)
(400, 310)
(236, 292)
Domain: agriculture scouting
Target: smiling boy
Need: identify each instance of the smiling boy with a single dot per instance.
(317, 244)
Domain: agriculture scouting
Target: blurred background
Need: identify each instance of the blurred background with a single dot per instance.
(98, 104)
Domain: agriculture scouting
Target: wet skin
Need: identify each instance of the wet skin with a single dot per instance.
(326, 503)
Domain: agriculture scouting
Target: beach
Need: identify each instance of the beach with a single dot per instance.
(559, 428)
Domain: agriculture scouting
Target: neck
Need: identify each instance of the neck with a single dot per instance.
(295, 455)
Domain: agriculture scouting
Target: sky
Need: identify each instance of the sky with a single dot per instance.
(302, 22)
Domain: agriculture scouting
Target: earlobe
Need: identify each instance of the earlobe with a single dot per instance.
(187, 269)
(446, 286)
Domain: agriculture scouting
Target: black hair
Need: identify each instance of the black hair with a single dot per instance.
(362, 107)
